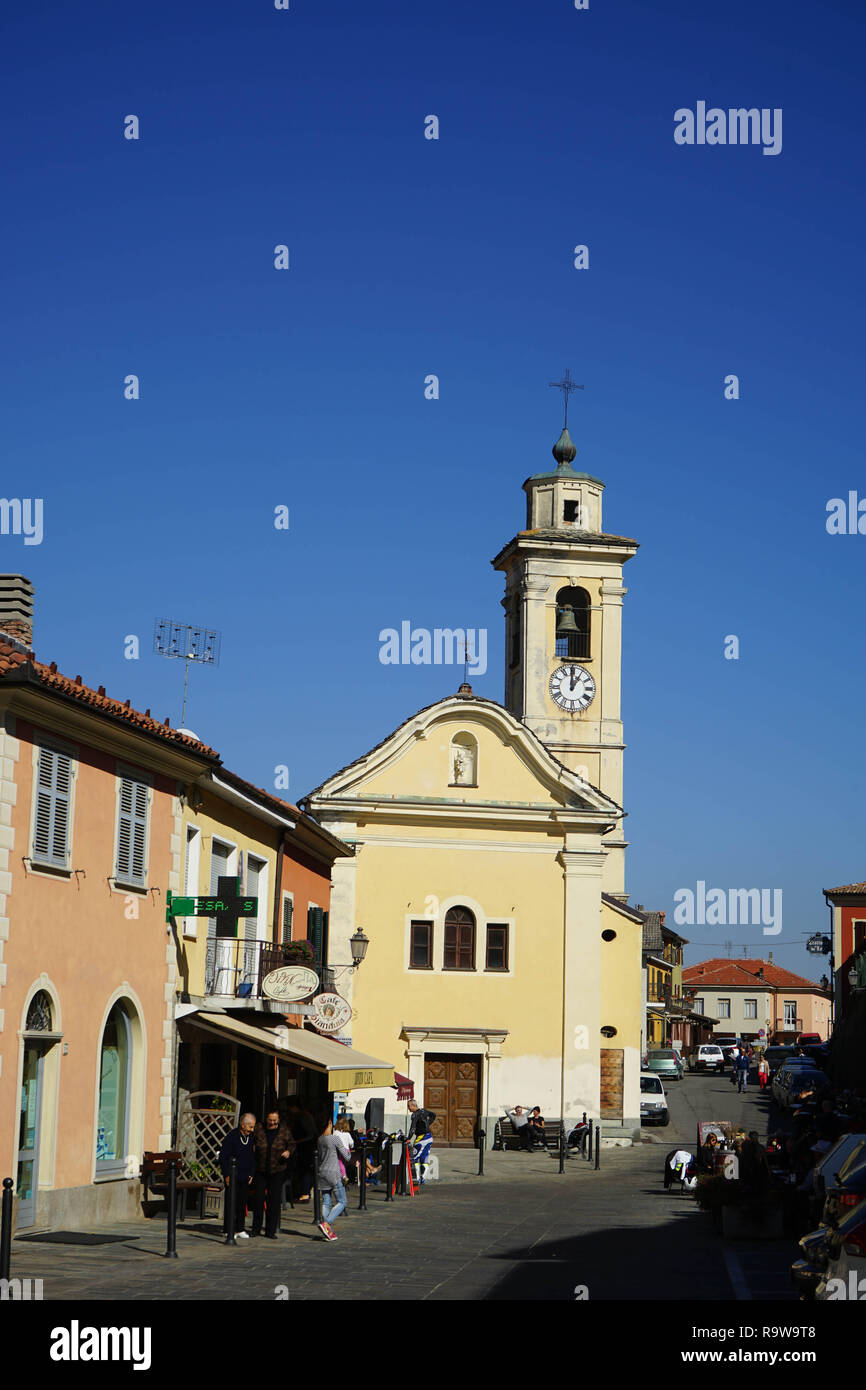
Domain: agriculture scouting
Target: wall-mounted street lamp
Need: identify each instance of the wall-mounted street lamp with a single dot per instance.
(358, 946)
(852, 977)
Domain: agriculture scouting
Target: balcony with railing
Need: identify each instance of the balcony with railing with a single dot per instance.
(235, 969)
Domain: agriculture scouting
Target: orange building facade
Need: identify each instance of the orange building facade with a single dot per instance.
(89, 825)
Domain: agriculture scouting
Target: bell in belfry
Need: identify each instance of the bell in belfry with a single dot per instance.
(565, 623)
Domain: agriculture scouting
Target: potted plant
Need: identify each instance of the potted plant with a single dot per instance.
(298, 953)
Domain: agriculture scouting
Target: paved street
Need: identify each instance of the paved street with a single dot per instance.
(523, 1231)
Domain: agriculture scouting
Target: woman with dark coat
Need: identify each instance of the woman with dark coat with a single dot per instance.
(238, 1144)
(272, 1148)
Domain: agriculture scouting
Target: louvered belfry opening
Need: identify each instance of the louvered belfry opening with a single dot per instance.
(16, 609)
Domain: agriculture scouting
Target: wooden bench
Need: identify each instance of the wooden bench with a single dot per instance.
(154, 1177)
(505, 1136)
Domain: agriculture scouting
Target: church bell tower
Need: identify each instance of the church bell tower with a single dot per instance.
(563, 616)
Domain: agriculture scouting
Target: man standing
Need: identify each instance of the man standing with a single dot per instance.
(421, 1121)
(742, 1065)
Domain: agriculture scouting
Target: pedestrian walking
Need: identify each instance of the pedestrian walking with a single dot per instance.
(742, 1072)
(238, 1144)
(330, 1180)
(346, 1141)
(763, 1072)
(303, 1128)
(272, 1149)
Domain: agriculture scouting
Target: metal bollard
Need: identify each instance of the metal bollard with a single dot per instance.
(586, 1146)
(231, 1198)
(482, 1135)
(317, 1196)
(562, 1149)
(171, 1233)
(6, 1229)
(362, 1176)
(597, 1144)
(388, 1172)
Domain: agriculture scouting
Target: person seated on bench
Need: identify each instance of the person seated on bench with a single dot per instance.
(536, 1126)
(520, 1120)
(579, 1135)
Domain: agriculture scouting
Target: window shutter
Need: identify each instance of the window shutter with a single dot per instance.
(53, 786)
(288, 913)
(251, 924)
(314, 933)
(219, 867)
(132, 833)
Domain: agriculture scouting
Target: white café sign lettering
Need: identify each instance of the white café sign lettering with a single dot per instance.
(331, 1013)
(290, 982)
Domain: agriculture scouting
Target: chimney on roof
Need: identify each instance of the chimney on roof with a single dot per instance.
(769, 957)
(16, 610)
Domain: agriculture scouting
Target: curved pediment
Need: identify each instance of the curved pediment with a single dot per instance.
(464, 750)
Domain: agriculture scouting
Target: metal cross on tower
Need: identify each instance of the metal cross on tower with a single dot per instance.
(566, 386)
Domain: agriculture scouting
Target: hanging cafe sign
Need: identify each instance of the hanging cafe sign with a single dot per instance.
(331, 1013)
(290, 982)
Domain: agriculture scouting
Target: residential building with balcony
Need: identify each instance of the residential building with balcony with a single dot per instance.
(758, 1000)
(232, 1037)
(668, 1018)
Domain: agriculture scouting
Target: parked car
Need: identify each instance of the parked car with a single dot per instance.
(707, 1057)
(726, 1041)
(848, 1188)
(777, 1054)
(667, 1062)
(846, 1259)
(813, 1039)
(653, 1101)
(807, 1273)
(829, 1167)
(795, 1081)
(782, 1077)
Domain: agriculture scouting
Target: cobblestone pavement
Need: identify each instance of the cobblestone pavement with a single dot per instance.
(523, 1231)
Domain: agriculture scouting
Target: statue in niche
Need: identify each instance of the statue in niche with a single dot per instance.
(463, 766)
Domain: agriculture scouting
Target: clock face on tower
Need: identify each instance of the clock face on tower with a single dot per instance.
(572, 688)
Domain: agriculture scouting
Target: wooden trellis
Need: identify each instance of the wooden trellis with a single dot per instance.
(201, 1130)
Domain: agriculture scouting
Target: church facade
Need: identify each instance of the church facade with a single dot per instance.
(488, 866)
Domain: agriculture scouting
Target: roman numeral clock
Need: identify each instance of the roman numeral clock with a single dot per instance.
(572, 688)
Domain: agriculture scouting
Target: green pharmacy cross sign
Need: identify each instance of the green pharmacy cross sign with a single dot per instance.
(227, 906)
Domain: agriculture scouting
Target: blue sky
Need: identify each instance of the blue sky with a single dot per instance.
(454, 257)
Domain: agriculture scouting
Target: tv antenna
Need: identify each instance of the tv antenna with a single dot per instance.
(184, 642)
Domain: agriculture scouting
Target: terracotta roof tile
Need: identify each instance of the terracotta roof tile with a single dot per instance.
(847, 888)
(14, 661)
(722, 971)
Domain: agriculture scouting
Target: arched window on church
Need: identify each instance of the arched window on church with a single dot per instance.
(464, 761)
(459, 939)
(573, 616)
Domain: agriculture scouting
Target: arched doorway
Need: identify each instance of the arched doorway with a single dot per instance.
(39, 1038)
